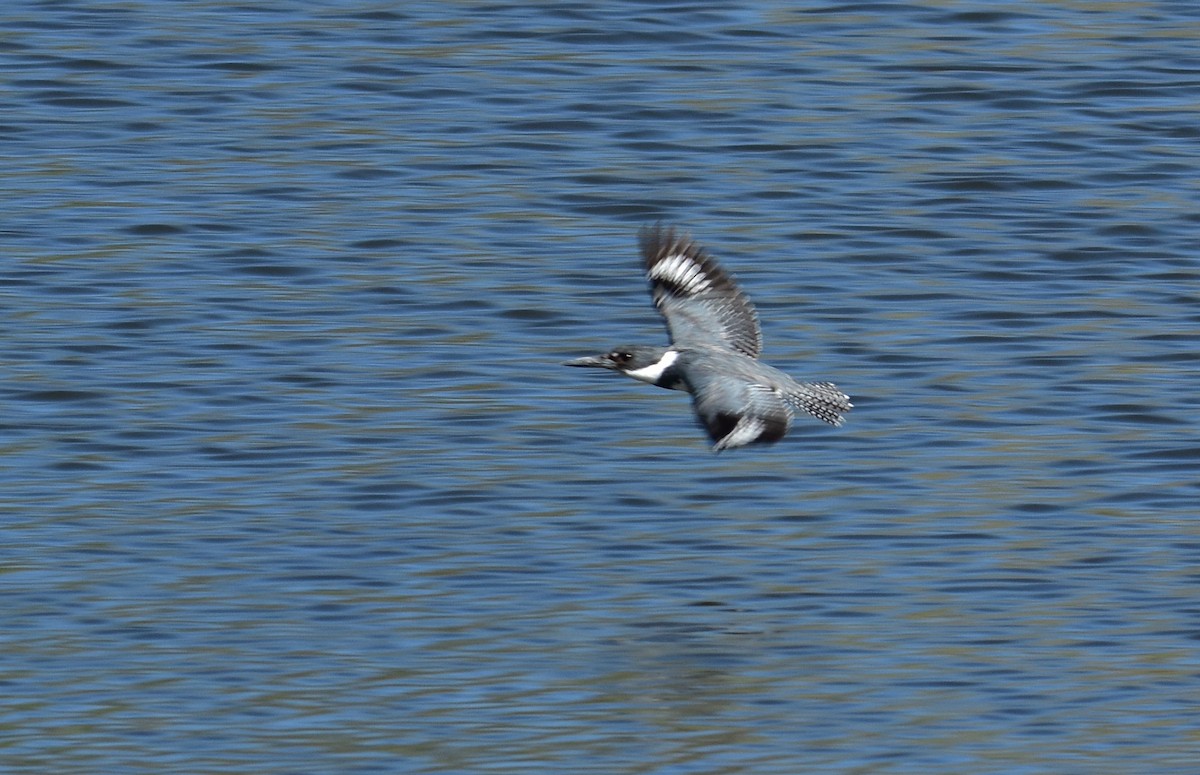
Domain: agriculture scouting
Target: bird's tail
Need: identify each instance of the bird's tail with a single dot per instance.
(822, 400)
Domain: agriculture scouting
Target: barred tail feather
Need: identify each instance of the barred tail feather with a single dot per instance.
(822, 400)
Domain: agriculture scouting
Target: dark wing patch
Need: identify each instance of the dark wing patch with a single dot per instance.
(699, 300)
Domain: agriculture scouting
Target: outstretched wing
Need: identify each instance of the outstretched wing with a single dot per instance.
(701, 303)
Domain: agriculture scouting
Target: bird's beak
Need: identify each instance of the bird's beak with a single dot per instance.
(598, 361)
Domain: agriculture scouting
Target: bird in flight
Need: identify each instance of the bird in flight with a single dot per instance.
(715, 343)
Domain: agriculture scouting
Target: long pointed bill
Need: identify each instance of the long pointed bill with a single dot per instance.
(598, 361)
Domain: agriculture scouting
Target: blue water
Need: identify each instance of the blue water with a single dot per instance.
(292, 481)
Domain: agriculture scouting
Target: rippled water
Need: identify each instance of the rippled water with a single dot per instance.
(293, 481)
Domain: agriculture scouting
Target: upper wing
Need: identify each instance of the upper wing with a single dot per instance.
(699, 300)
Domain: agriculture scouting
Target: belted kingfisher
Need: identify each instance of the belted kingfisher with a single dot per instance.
(715, 342)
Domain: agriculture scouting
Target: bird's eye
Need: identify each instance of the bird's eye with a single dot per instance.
(619, 357)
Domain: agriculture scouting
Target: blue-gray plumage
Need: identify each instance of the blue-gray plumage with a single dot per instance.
(715, 343)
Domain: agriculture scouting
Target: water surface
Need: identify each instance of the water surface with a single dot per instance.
(293, 481)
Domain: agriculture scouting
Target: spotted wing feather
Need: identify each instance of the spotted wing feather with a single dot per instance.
(701, 303)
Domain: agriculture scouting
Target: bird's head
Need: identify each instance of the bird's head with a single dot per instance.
(638, 361)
